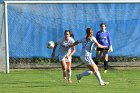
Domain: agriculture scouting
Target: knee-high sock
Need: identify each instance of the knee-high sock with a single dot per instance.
(69, 75)
(86, 73)
(105, 65)
(98, 76)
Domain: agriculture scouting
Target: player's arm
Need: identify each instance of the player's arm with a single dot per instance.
(74, 44)
(57, 43)
(109, 39)
(73, 51)
(99, 45)
(53, 53)
(110, 43)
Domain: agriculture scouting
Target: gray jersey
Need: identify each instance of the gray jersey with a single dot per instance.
(87, 46)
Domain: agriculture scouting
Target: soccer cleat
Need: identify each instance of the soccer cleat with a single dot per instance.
(105, 71)
(78, 77)
(69, 81)
(104, 83)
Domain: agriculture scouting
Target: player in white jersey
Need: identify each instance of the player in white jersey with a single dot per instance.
(86, 56)
(65, 53)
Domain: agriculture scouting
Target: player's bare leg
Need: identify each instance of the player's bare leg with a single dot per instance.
(64, 68)
(98, 55)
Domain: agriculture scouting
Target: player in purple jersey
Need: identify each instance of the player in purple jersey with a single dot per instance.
(103, 37)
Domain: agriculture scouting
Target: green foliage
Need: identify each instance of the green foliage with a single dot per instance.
(124, 59)
(75, 59)
(33, 60)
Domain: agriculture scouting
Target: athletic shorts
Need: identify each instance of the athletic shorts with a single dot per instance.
(101, 49)
(64, 58)
(87, 60)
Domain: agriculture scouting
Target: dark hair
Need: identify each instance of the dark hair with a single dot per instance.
(103, 24)
(71, 33)
(89, 34)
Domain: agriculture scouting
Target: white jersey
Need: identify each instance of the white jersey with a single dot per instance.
(87, 46)
(64, 50)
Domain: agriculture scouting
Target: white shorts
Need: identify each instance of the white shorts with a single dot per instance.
(64, 58)
(87, 60)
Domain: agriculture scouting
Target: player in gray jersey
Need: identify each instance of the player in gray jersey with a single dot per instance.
(65, 53)
(86, 55)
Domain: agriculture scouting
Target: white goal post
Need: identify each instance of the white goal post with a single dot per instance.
(49, 2)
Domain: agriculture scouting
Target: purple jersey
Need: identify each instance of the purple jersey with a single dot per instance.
(103, 38)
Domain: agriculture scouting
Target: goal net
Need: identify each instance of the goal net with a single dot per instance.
(31, 26)
(2, 41)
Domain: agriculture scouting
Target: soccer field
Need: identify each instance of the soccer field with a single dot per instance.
(51, 81)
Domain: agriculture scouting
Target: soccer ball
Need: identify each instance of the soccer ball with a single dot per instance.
(50, 44)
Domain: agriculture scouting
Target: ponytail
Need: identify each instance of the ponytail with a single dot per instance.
(71, 34)
(89, 33)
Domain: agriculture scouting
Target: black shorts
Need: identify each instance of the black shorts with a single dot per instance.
(101, 49)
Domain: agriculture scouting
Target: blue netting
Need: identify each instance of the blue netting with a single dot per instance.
(31, 26)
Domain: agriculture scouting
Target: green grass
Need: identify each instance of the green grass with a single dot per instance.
(51, 81)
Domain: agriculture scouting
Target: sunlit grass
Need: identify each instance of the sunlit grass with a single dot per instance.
(51, 81)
